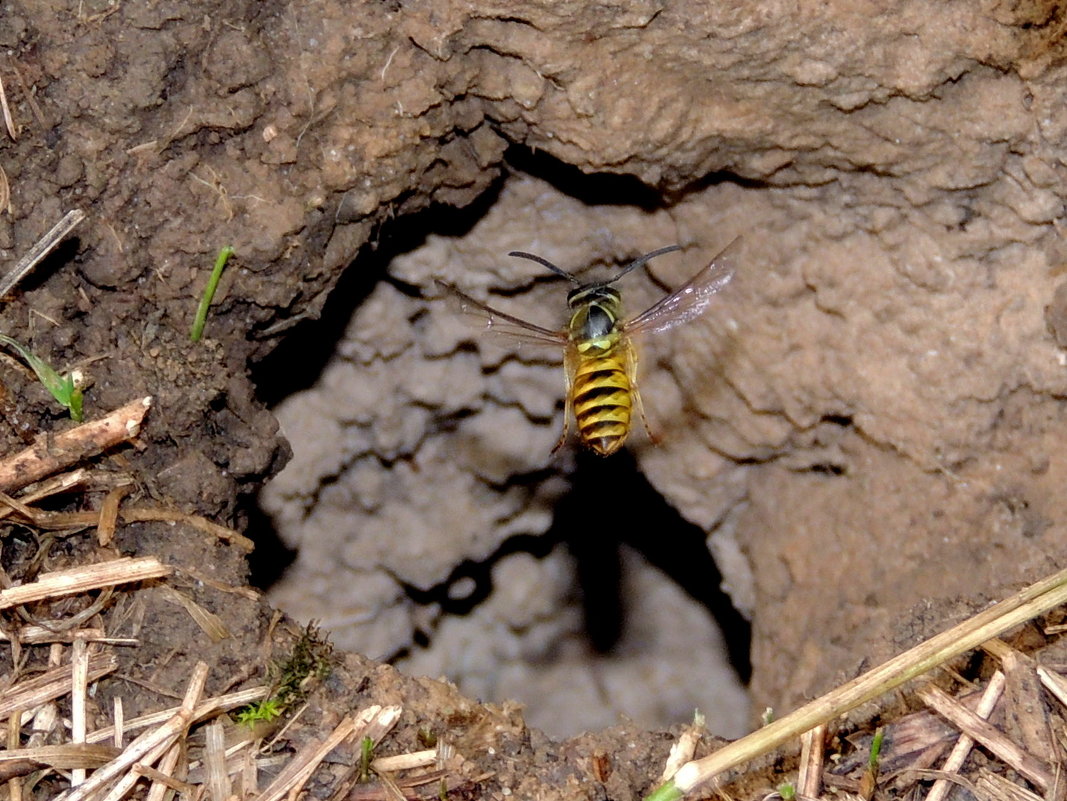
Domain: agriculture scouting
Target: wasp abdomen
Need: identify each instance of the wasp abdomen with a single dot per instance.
(603, 402)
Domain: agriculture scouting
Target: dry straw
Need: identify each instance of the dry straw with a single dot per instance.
(985, 626)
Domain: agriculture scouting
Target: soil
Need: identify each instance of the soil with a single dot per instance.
(868, 426)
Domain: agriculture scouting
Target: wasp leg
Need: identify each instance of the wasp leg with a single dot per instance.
(569, 367)
(631, 368)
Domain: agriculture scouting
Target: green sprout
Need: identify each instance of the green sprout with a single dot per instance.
(665, 792)
(209, 293)
(66, 389)
(876, 749)
(266, 710)
(787, 791)
(366, 754)
(293, 679)
(869, 780)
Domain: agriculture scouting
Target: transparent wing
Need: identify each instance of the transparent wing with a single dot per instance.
(493, 321)
(690, 300)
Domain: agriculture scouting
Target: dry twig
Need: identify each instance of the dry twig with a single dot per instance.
(812, 755)
(988, 735)
(53, 453)
(83, 579)
(373, 722)
(9, 122)
(69, 756)
(51, 684)
(1029, 603)
(207, 709)
(962, 749)
(149, 747)
(45, 245)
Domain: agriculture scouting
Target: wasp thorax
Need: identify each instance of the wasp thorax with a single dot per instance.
(595, 314)
(597, 323)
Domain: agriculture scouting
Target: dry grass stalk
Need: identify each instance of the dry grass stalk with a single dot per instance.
(62, 521)
(53, 453)
(991, 787)
(209, 623)
(51, 684)
(142, 514)
(962, 749)
(812, 757)
(5, 193)
(48, 488)
(249, 772)
(369, 722)
(415, 759)
(14, 740)
(118, 714)
(162, 781)
(109, 515)
(446, 784)
(40, 249)
(215, 584)
(381, 724)
(149, 747)
(917, 740)
(1030, 724)
(218, 777)
(82, 579)
(299, 769)
(9, 121)
(42, 726)
(70, 756)
(988, 736)
(683, 750)
(1035, 600)
(1054, 683)
(36, 635)
(79, 661)
(207, 709)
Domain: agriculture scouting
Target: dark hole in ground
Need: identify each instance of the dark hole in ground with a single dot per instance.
(593, 189)
(611, 503)
(300, 358)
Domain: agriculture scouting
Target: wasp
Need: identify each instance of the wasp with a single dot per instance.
(600, 359)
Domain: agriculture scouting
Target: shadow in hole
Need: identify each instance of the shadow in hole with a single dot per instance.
(300, 358)
(270, 558)
(611, 503)
(592, 189)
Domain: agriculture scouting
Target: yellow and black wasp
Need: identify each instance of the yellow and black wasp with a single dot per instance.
(600, 360)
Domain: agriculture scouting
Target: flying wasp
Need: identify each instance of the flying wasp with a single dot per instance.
(599, 356)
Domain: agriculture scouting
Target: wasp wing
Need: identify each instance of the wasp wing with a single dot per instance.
(690, 300)
(494, 321)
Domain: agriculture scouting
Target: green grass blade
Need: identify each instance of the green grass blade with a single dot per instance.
(197, 330)
(61, 387)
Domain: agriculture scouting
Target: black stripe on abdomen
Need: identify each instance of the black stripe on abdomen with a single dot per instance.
(603, 403)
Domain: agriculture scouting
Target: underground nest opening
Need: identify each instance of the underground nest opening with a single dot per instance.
(424, 519)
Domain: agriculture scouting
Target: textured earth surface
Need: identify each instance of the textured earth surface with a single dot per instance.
(868, 426)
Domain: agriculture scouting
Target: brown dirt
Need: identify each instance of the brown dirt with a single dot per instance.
(872, 423)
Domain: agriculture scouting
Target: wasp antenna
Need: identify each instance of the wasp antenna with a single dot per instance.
(642, 259)
(545, 263)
